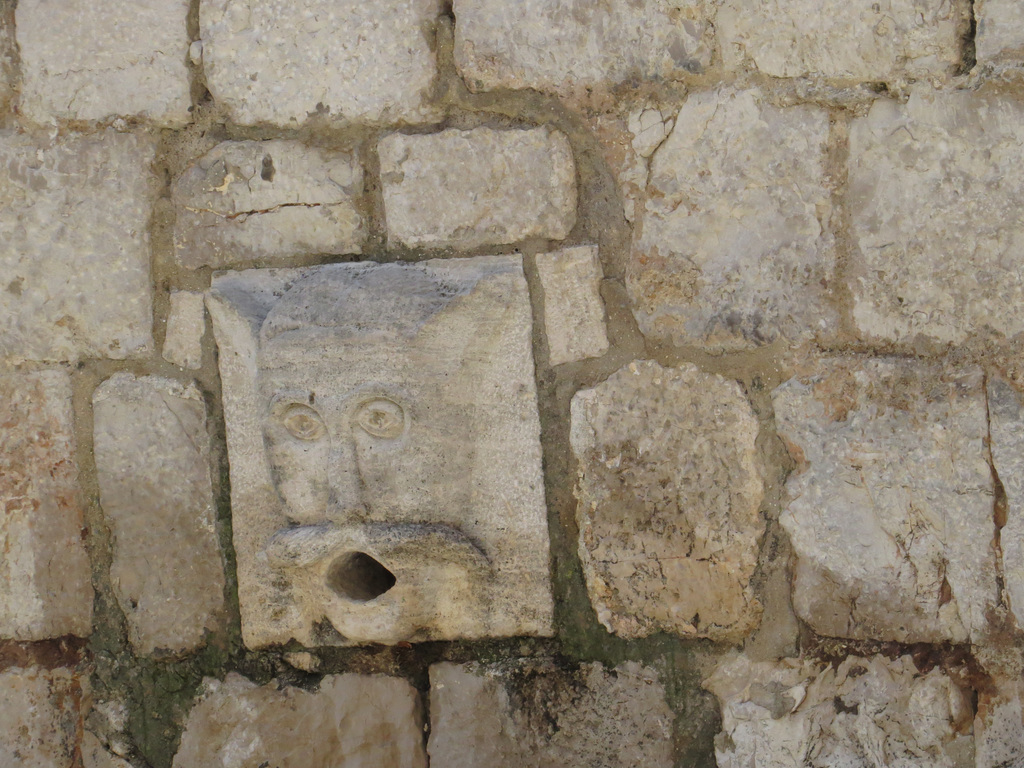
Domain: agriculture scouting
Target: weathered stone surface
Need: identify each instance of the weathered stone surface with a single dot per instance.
(534, 714)
(45, 584)
(95, 755)
(383, 436)
(352, 721)
(74, 246)
(1006, 433)
(8, 55)
(567, 48)
(864, 712)
(573, 310)
(256, 201)
(153, 468)
(1000, 35)
(891, 505)
(999, 724)
(952, 272)
(669, 490)
(186, 324)
(859, 40)
(39, 717)
(270, 61)
(95, 59)
(733, 249)
(468, 189)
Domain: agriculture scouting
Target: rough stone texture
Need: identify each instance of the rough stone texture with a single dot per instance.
(96, 59)
(865, 712)
(534, 714)
(999, 717)
(1006, 434)
(153, 467)
(669, 490)
(351, 721)
(39, 717)
(859, 40)
(186, 324)
(45, 584)
(383, 436)
(271, 61)
(567, 48)
(74, 246)
(1000, 35)
(953, 272)
(573, 310)
(479, 187)
(733, 249)
(256, 201)
(95, 755)
(8, 55)
(891, 505)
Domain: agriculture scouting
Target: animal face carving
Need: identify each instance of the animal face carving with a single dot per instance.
(384, 449)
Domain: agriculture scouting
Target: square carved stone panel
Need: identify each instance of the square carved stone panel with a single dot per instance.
(384, 445)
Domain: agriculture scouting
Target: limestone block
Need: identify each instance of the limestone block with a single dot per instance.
(383, 436)
(153, 468)
(74, 246)
(271, 61)
(573, 310)
(869, 711)
(891, 505)
(1000, 35)
(39, 717)
(859, 40)
(468, 189)
(568, 48)
(535, 713)
(186, 324)
(669, 490)
(255, 201)
(45, 583)
(351, 721)
(1006, 434)
(934, 192)
(96, 59)
(733, 248)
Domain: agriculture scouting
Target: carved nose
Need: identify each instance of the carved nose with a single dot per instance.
(343, 477)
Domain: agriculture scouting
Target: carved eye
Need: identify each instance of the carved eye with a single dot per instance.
(303, 422)
(381, 417)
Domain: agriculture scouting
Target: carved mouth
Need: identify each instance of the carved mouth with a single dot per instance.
(359, 577)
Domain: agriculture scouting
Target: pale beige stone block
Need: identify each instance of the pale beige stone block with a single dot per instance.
(39, 717)
(97, 59)
(45, 581)
(153, 467)
(891, 506)
(669, 491)
(247, 202)
(186, 324)
(467, 189)
(573, 310)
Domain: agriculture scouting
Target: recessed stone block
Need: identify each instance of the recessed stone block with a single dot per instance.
(573, 310)
(269, 61)
(891, 509)
(669, 490)
(1000, 35)
(186, 324)
(858, 40)
(536, 713)
(153, 467)
(45, 583)
(934, 199)
(568, 48)
(862, 712)
(385, 457)
(39, 717)
(74, 246)
(467, 189)
(350, 721)
(96, 59)
(250, 202)
(733, 247)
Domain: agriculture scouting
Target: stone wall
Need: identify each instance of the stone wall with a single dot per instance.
(540, 383)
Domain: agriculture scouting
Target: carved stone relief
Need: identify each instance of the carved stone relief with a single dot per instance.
(384, 445)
